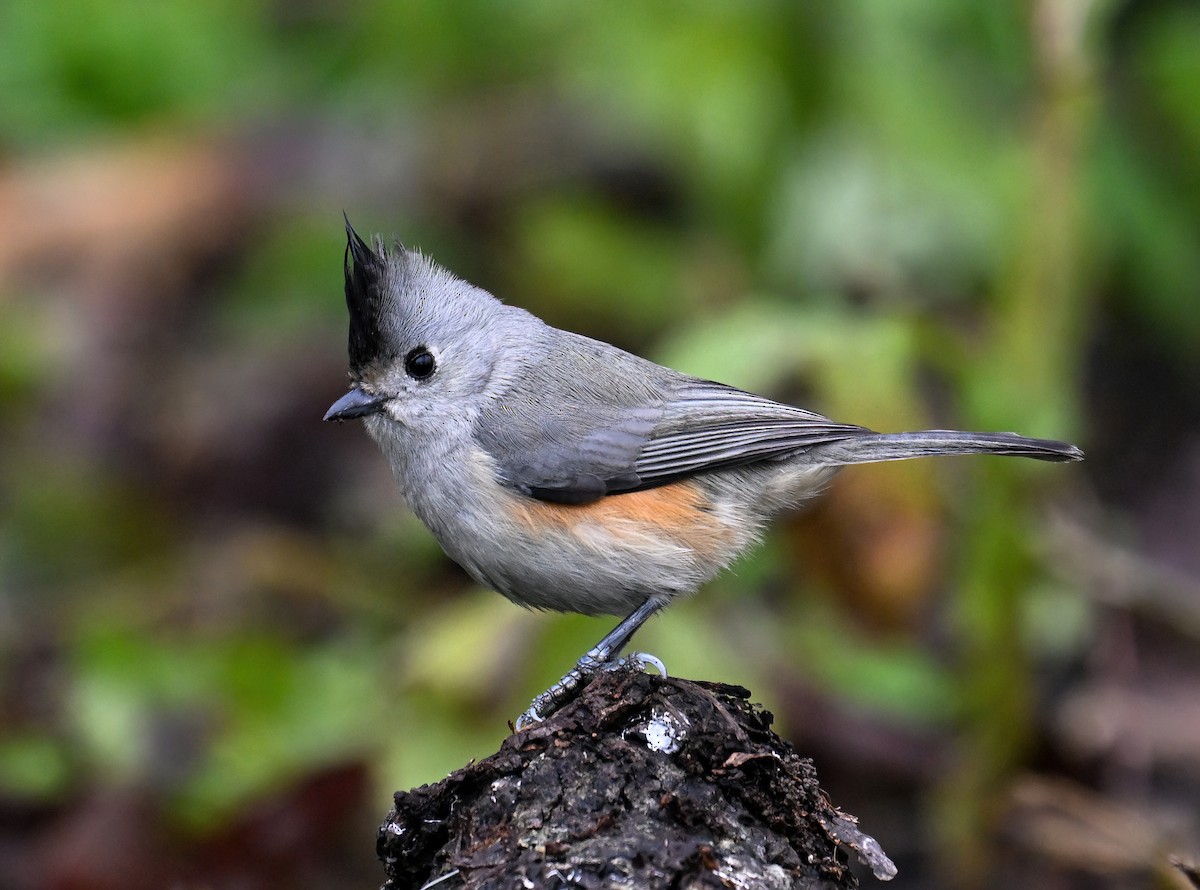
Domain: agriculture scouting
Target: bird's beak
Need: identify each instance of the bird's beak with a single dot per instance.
(355, 403)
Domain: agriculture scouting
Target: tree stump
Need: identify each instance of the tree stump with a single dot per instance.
(641, 782)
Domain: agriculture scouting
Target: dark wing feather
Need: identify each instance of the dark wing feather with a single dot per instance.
(709, 425)
(590, 420)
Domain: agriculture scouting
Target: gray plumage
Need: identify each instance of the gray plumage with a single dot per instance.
(519, 444)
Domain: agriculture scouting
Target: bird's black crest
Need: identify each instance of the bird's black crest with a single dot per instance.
(365, 289)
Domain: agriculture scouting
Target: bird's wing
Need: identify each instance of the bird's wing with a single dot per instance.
(593, 420)
(709, 425)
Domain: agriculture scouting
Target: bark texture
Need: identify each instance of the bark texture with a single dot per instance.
(641, 782)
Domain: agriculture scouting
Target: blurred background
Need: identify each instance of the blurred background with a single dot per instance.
(224, 642)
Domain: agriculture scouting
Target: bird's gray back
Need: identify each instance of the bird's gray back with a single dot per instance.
(588, 419)
(571, 427)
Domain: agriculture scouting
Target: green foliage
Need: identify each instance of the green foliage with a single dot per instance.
(284, 287)
(569, 245)
(261, 710)
(74, 67)
(33, 768)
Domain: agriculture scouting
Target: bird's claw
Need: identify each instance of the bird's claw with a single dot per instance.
(640, 660)
(566, 688)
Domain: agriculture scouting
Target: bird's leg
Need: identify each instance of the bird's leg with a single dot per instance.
(602, 656)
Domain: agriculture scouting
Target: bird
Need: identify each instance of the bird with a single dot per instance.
(571, 475)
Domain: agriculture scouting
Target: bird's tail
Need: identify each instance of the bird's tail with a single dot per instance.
(872, 447)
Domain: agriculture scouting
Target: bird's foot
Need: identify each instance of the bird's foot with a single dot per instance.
(641, 660)
(572, 681)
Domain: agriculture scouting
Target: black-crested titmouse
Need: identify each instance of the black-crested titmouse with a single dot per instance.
(569, 474)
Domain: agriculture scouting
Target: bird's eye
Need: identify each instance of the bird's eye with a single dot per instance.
(419, 363)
